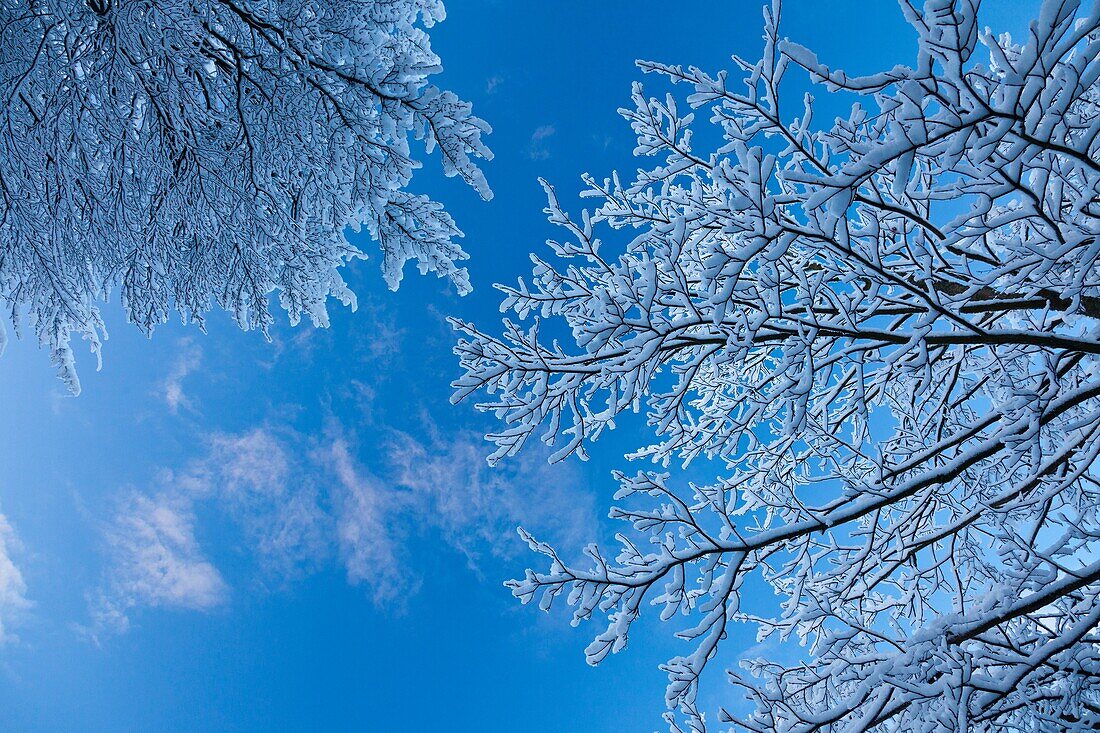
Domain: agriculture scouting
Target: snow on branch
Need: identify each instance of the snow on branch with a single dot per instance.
(886, 329)
(186, 154)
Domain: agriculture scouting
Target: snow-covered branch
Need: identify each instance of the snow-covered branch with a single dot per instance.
(886, 331)
(184, 153)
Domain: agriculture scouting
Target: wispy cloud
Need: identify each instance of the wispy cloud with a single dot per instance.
(382, 337)
(187, 361)
(536, 147)
(302, 501)
(154, 557)
(13, 589)
(475, 508)
(155, 561)
(364, 524)
(492, 83)
(257, 480)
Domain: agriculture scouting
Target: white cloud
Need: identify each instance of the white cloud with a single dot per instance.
(257, 480)
(536, 149)
(492, 83)
(365, 517)
(13, 589)
(476, 509)
(187, 361)
(154, 557)
(300, 502)
(155, 561)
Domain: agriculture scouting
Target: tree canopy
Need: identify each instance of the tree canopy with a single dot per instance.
(211, 152)
(882, 329)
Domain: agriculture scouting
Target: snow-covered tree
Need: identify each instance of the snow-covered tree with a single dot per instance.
(884, 334)
(193, 152)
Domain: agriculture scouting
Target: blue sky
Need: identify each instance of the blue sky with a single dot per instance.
(328, 544)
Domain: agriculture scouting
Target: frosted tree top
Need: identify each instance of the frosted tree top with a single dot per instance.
(187, 154)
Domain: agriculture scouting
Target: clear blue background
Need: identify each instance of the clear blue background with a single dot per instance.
(315, 652)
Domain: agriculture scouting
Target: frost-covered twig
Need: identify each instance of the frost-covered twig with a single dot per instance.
(887, 330)
(184, 153)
